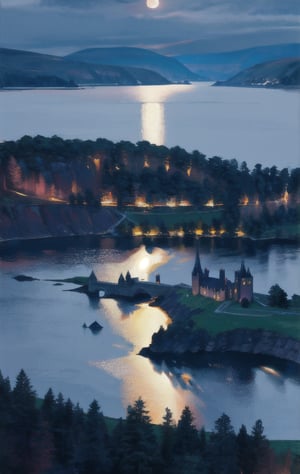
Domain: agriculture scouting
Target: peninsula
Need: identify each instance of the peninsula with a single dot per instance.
(212, 316)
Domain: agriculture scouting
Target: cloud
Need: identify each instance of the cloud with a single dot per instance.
(215, 24)
(80, 4)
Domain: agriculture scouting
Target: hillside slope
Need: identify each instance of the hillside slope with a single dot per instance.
(27, 69)
(170, 68)
(223, 65)
(283, 73)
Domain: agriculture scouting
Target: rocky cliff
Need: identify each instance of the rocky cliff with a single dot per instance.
(247, 341)
(23, 221)
(180, 338)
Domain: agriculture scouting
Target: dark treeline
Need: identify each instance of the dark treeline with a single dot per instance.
(130, 170)
(94, 172)
(53, 436)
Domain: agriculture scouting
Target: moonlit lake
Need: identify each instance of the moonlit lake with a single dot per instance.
(41, 331)
(248, 124)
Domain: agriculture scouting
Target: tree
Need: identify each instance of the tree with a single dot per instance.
(138, 444)
(245, 451)
(5, 423)
(223, 447)
(260, 446)
(168, 436)
(95, 444)
(278, 297)
(24, 423)
(186, 433)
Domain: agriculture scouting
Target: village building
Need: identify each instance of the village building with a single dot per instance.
(221, 289)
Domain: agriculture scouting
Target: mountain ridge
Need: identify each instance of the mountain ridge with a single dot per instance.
(284, 73)
(25, 68)
(223, 65)
(168, 67)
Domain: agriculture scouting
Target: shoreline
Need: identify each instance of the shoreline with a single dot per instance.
(270, 240)
(182, 340)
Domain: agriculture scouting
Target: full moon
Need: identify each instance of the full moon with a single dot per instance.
(152, 3)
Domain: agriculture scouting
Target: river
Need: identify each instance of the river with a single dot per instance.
(248, 124)
(41, 331)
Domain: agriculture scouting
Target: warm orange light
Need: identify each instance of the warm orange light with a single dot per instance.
(199, 231)
(187, 378)
(108, 200)
(245, 201)
(141, 202)
(285, 197)
(210, 203)
(74, 187)
(240, 233)
(97, 163)
(19, 194)
(212, 231)
(54, 199)
(137, 231)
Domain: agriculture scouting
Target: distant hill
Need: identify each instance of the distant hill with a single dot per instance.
(27, 69)
(223, 65)
(282, 73)
(168, 67)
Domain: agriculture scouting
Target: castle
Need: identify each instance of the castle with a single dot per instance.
(221, 288)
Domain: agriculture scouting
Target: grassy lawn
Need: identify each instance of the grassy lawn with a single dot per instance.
(236, 317)
(78, 280)
(283, 446)
(171, 217)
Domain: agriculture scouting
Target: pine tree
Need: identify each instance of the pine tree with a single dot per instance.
(24, 423)
(260, 446)
(48, 406)
(223, 447)
(168, 436)
(245, 451)
(186, 433)
(6, 430)
(96, 442)
(138, 444)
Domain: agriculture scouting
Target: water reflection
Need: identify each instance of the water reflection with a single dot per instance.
(43, 329)
(153, 122)
(153, 100)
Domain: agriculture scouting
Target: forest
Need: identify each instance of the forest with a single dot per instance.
(127, 175)
(54, 436)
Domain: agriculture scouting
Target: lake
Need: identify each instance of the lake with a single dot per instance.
(251, 124)
(41, 331)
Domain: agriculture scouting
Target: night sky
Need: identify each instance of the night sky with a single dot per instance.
(176, 26)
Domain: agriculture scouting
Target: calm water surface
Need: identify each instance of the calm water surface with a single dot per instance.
(255, 125)
(41, 331)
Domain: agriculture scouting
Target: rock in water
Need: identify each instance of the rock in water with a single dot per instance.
(95, 327)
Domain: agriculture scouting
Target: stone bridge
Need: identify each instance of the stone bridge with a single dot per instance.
(126, 288)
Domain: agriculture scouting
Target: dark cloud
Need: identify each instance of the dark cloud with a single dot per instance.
(63, 25)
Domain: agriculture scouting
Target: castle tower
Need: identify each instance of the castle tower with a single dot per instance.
(197, 274)
(93, 283)
(243, 284)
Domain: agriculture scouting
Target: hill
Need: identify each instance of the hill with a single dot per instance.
(223, 65)
(27, 69)
(168, 67)
(282, 73)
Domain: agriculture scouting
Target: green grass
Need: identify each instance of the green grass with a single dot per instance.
(285, 323)
(171, 217)
(78, 280)
(283, 446)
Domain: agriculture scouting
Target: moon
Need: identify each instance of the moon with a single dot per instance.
(152, 3)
